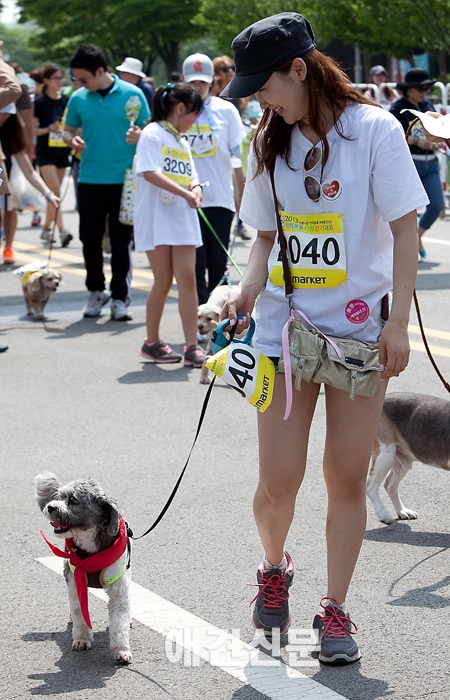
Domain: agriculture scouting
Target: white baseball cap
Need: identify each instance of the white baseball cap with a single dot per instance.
(198, 66)
(132, 65)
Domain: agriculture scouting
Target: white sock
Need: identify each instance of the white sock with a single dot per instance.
(343, 605)
(282, 565)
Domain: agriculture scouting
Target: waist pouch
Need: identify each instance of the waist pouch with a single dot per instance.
(343, 363)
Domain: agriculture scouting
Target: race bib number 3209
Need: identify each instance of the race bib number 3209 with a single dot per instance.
(177, 166)
(316, 251)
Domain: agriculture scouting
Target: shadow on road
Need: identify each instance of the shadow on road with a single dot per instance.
(424, 596)
(400, 532)
(151, 373)
(77, 670)
(432, 281)
(348, 681)
(84, 326)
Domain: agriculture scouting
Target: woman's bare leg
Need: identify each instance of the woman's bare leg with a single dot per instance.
(53, 178)
(161, 263)
(283, 447)
(183, 261)
(351, 429)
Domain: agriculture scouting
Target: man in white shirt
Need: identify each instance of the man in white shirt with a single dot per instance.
(215, 137)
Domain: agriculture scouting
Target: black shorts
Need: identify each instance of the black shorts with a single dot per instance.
(59, 157)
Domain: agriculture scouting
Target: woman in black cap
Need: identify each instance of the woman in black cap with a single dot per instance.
(414, 88)
(340, 166)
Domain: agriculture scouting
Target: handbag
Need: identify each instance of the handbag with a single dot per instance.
(310, 355)
(126, 210)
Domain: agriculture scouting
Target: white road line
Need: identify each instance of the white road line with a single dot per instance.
(436, 240)
(238, 659)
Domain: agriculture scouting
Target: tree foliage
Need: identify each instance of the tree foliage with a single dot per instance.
(121, 28)
(387, 26)
(16, 45)
(147, 30)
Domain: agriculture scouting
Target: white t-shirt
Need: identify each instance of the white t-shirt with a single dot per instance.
(161, 218)
(213, 137)
(342, 261)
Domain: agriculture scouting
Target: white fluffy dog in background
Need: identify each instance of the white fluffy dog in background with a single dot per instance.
(208, 320)
(94, 532)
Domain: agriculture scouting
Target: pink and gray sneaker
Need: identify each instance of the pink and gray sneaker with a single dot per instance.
(160, 352)
(334, 629)
(194, 356)
(271, 609)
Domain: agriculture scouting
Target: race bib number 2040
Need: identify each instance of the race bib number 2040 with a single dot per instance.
(316, 251)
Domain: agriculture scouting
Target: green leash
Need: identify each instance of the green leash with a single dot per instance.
(202, 214)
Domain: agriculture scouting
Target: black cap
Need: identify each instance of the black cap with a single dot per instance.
(263, 46)
(416, 77)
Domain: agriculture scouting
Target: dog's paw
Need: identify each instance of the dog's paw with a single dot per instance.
(122, 656)
(388, 519)
(205, 380)
(384, 516)
(81, 645)
(406, 514)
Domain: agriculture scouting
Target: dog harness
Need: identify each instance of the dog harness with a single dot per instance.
(24, 281)
(96, 570)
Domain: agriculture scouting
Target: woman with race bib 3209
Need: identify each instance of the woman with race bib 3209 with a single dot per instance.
(340, 166)
(166, 225)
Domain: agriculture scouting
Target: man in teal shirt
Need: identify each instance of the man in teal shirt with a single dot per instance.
(99, 110)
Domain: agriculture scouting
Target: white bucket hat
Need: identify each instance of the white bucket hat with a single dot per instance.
(132, 65)
(198, 66)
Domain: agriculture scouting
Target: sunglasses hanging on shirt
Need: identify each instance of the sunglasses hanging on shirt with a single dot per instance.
(313, 186)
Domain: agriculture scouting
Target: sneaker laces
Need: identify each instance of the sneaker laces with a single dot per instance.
(335, 621)
(272, 589)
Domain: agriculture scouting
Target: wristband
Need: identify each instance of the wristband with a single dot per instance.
(48, 195)
(194, 186)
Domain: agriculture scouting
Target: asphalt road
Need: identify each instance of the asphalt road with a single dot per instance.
(77, 399)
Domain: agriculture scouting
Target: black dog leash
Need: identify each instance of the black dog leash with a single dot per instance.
(175, 488)
(231, 333)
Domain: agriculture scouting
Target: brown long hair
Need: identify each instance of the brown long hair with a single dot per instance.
(328, 86)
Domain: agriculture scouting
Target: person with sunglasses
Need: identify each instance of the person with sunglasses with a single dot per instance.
(52, 154)
(347, 192)
(224, 71)
(414, 89)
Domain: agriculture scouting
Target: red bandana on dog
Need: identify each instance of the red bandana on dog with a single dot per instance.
(93, 563)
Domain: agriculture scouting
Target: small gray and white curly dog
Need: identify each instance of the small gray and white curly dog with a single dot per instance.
(89, 521)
